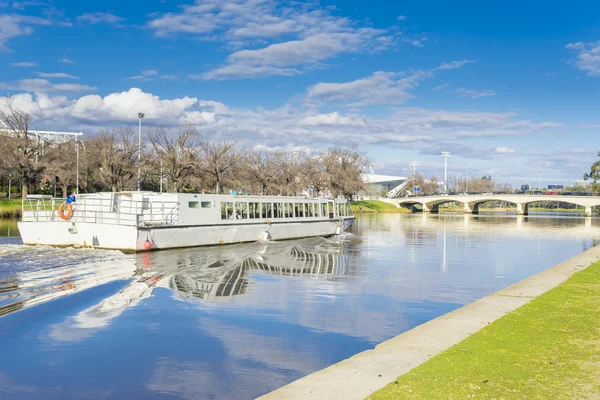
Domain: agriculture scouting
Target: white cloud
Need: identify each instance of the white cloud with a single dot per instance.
(150, 74)
(290, 40)
(280, 58)
(333, 118)
(588, 57)
(284, 127)
(66, 60)
(402, 18)
(24, 64)
(43, 85)
(504, 149)
(57, 75)
(454, 64)
(99, 17)
(13, 25)
(475, 94)
(440, 87)
(379, 88)
(590, 126)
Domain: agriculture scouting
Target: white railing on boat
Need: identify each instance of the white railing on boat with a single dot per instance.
(99, 210)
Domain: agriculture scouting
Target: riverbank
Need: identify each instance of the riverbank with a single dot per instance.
(10, 208)
(363, 374)
(546, 349)
(375, 206)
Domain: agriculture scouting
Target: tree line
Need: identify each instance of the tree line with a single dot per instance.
(180, 157)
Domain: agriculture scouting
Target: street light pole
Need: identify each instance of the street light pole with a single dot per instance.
(414, 165)
(445, 154)
(139, 182)
(9, 182)
(540, 180)
(161, 174)
(77, 178)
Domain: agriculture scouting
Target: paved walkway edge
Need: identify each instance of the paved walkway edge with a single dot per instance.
(364, 373)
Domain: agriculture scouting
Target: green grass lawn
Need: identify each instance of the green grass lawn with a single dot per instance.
(374, 206)
(547, 349)
(10, 208)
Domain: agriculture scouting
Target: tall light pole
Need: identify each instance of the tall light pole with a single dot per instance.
(77, 178)
(445, 154)
(161, 174)
(414, 165)
(540, 180)
(139, 182)
(9, 181)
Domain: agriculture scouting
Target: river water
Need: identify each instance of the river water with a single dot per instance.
(236, 322)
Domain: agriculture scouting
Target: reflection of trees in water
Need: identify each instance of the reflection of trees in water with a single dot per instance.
(224, 278)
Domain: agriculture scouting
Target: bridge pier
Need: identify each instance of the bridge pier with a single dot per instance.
(522, 209)
(588, 211)
(430, 210)
(471, 209)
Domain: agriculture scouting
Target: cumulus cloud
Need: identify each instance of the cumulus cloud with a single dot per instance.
(588, 57)
(99, 17)
(290, 39)
(475, 94)
(284, 127)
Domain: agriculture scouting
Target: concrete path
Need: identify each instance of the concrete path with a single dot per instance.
(366, 372)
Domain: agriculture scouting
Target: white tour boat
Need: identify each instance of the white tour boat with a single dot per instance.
(139, 221)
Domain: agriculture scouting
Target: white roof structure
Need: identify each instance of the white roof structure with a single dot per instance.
(382, 179)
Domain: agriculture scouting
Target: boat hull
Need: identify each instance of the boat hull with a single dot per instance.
(131, 238)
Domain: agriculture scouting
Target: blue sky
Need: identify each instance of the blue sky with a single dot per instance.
(509, 89)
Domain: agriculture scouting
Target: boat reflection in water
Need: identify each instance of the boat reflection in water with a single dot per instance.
(228, 276)
(209, 274)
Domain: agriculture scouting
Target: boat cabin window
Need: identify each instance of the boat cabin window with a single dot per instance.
(323, 209)
(299, 210)
(205, 204)
(308, 210)
(266, 210)
(193, 204)
(226, 210)
(241, 210)
(278, 210)
(289, 210)
(254, 209)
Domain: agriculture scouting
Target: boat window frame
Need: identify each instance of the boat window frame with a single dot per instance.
(227, 210)
(242, 208)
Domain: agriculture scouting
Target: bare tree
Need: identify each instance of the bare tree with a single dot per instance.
(20, 147)
(344, 167)
(261, 168)
(288, 165)
(219, 158)
(114, 154)
(179, 149)
(61, 164)
(313, 173)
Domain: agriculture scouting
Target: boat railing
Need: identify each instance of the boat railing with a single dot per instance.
(102, 210)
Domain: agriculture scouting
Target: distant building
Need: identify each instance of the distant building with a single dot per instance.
(556, 187)
(525, 187)
(487, 177)
(384, 185)
(580, 183)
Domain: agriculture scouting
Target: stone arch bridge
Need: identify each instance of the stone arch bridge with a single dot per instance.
(471, 203)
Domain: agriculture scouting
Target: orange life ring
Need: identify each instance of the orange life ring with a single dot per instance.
(61, 209)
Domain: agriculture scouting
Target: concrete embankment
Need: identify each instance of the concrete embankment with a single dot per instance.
(366, 372)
